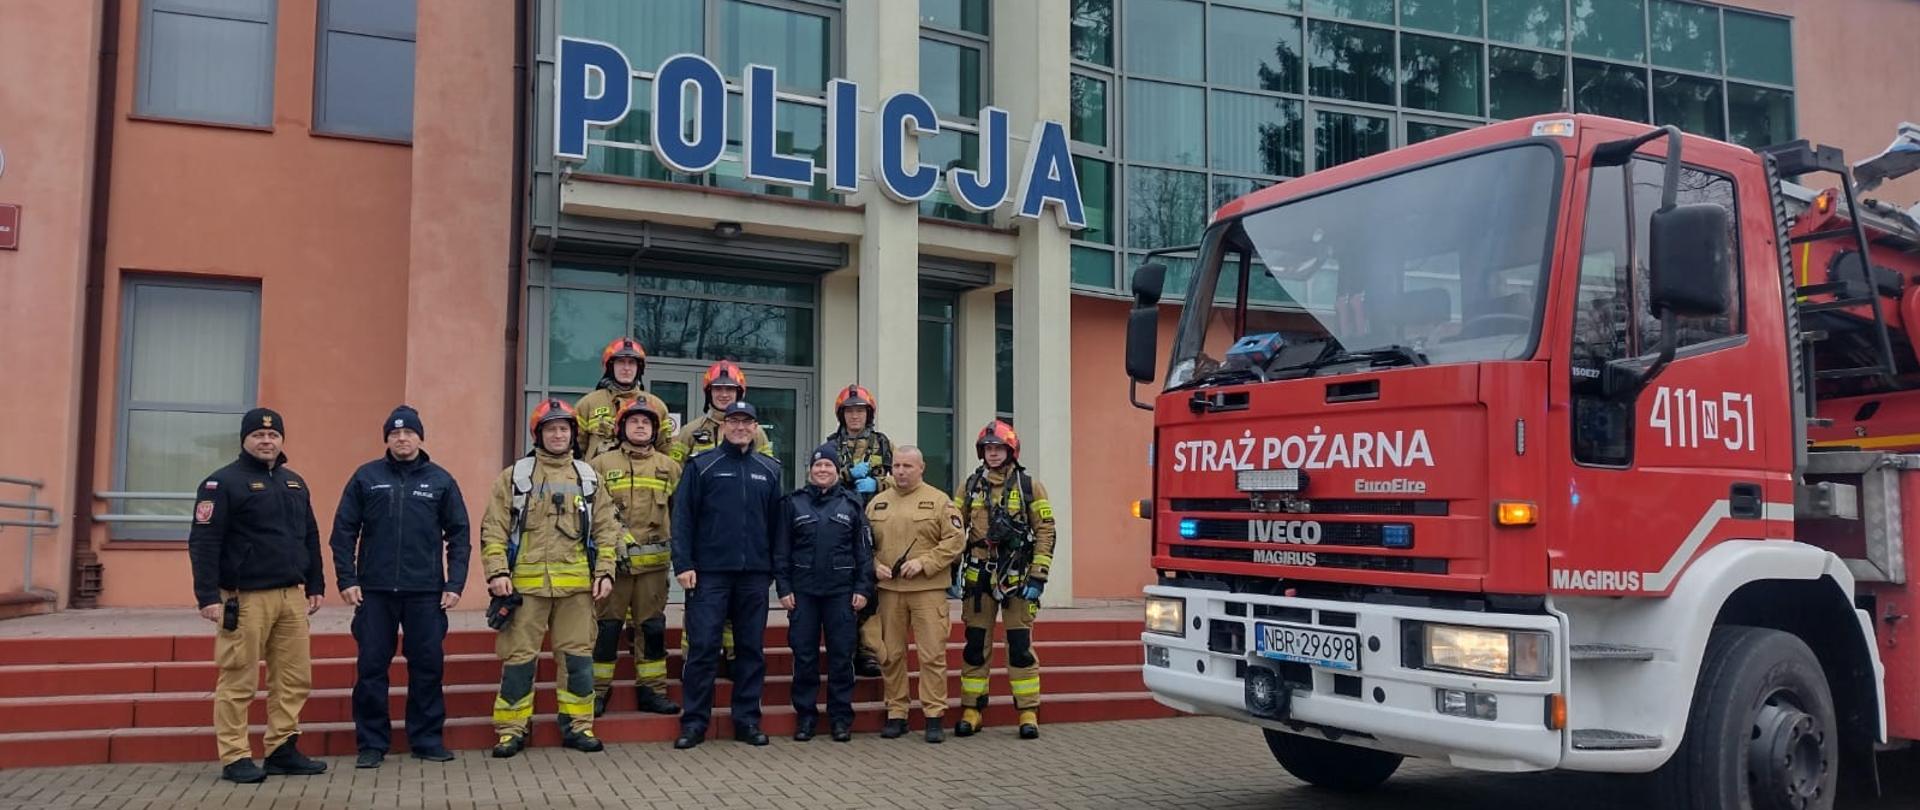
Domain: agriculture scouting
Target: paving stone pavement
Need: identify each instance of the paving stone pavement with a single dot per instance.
(1182, 762)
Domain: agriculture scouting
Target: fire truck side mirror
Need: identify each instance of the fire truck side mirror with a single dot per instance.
(1143, 323)
(1688, 265)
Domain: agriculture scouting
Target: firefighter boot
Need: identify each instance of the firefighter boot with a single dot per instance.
(600, 704)
(1029, 725)
(654, 702)
(970, 722)
(509, 745)
(581, 740)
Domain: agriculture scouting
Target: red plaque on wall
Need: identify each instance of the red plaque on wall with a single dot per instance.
(9, 227)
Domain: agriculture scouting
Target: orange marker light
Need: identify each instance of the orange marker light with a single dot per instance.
(1143, 509)
(1557, 712)
(1514, 513)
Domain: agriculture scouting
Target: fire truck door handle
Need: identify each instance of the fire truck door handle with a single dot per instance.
(1743, 500)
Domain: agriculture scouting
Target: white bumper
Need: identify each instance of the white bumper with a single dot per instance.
(1395, 706)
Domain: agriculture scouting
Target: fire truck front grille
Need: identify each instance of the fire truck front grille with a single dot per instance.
(1312, 556)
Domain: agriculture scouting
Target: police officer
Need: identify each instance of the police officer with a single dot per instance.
(640, 479)
(255, 552)
(724, 384)
(866, 463)
(729, 536)
(917, 537)
(622, 363)
(1009, 554)
(828, 577)
(405, 572)
(547, 543)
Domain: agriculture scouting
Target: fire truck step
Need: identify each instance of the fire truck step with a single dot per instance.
(1835, 304)
(1602, 739)
(1611, 652)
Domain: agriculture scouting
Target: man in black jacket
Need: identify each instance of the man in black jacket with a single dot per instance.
(728, 538)
(828, 577)
(402, 509)
(257, 575)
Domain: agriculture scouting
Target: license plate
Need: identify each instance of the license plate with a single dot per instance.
(1306, 645)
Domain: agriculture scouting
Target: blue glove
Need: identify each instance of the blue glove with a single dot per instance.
(860, 470)
(866, 486)
(1031, 593)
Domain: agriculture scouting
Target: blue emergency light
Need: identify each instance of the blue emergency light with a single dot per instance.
(1255, 351)
(1396, 535)
(1189, 528)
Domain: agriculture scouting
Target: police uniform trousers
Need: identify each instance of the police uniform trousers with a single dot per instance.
(1023, 665)
(812, 616)
(383, 619)
(571, 619)
(717, 598)
(639, 600)
(272, 626)
(924, 614)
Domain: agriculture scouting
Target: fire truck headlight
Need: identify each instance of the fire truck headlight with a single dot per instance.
(1166, 616)
(1517, 654)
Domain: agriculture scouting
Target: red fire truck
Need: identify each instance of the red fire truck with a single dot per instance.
(1565, 442)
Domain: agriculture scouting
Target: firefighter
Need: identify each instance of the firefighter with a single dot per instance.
(640, 479)
(622, 364)
(1009, 553)
(725, 384)
(866, 467)
(917, 537)
(548, 542)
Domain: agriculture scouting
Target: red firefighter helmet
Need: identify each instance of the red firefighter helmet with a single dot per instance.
(623, 347)
(638, 407)
(553, 410)
(724, 372)
(1000, 433)
(854, 396)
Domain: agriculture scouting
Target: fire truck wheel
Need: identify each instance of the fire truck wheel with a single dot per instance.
(1762, 732)
(1331, 765)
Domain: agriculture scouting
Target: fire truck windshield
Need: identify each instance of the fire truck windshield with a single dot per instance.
(1442, 263)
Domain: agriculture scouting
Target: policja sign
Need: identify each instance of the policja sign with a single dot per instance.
(1047, 176)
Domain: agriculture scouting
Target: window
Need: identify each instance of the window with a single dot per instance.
(1088, 110)
(1253, 50)
(1379, 11)
(1442, 16)
(1759, 48)
(960, 15)
(1161, 121)
(1685, 36)
(1691, 103)
(1350, 62)
(1003, 350)
(363, 76)
(953, 78)
(1613, 90)
(1758, 116)
(1610, 29)
(1522, 83)
(207, 60)
(1533, 23)
(936, 400)
(1442, 75)
(1093, 31)
(189, 367)
(1256, 134)
(1096, 192)
(1165, 38)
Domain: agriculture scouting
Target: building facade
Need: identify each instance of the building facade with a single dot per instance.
(332, 206)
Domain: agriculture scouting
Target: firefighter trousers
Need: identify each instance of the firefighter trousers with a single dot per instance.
(924, 615)
(273, 626)
(1023, 665)
(571, 620)
(639, 601)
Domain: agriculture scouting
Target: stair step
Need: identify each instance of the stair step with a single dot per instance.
(1611, 652)
(1602, 739)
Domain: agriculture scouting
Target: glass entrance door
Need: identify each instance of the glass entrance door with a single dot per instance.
(784, 400)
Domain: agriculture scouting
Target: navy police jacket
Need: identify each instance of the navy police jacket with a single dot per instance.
(411, 524)
(831, 549)
(727, 514)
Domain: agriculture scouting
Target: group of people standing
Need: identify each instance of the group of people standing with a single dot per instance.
(578, 541)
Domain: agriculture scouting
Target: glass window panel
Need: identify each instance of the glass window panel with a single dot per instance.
(367, 85)
(1179, 273)
(1536, 23)
(948, 149)
(796, 44)
(701, 330)
(1161, 123)
(1257, 134)
(936, 364)
(1418, 131)
(579, 324)
(1092, 267)
(647, 32)
(936, 306)
(1251, 49)
(1165, 38)
(1093, 31)
(779, 410)
(1522, 83)
(1096, 195)
(636, 128)
(1758, 116)
(1342, 137)
(1227, 189)
(1610, 90)
(1445, 16)
(591, 274)
(1692, 104)
(1610, 29)
(1759, 48)
(1003, 356)
(1089, 110)
(208, 69)
(191, 345)
(965, 15)
(1269, 5)
(1164, 208)
(950, 78)
(395, 17)
(1350, 62)
(799, 130)
(936, 444)
(170, 451)
(1379, 11)
(246, 9)
(751, 289)
(1686, 36)
(1437, 74)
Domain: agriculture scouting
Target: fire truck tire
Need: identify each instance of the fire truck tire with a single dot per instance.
(1762, 733)
(1331, 765)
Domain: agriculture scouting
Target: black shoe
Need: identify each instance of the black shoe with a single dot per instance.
(288, 761)
(509, 745)
(689, 739)
(600, 704)
(582, 741)
(935, 731)
(1029, 731)
(842, 732)
(867, 666)
(370, 758)
(895, 727)
(433, 753)
(243, 772)
(654, 702)
(803, 730)
(751, 735)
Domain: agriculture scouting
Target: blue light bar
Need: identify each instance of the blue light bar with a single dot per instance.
(1189, 528)
(1396, 535)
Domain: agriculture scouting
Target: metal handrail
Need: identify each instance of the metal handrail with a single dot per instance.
(31, 506)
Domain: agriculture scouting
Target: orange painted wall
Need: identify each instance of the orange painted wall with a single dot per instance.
(1111, 549)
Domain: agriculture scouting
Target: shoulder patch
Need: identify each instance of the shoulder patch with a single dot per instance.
(955, 520)
(296, 485)
(256, 486)
(203, 512)
(210, 484)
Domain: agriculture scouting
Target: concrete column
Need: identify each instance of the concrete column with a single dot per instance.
(1030, 67)
(883, 57)
(976, 339)
(840, 348)
(462, 206)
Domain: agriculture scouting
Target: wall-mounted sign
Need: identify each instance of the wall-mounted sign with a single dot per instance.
(9, 227)
(688, 86)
